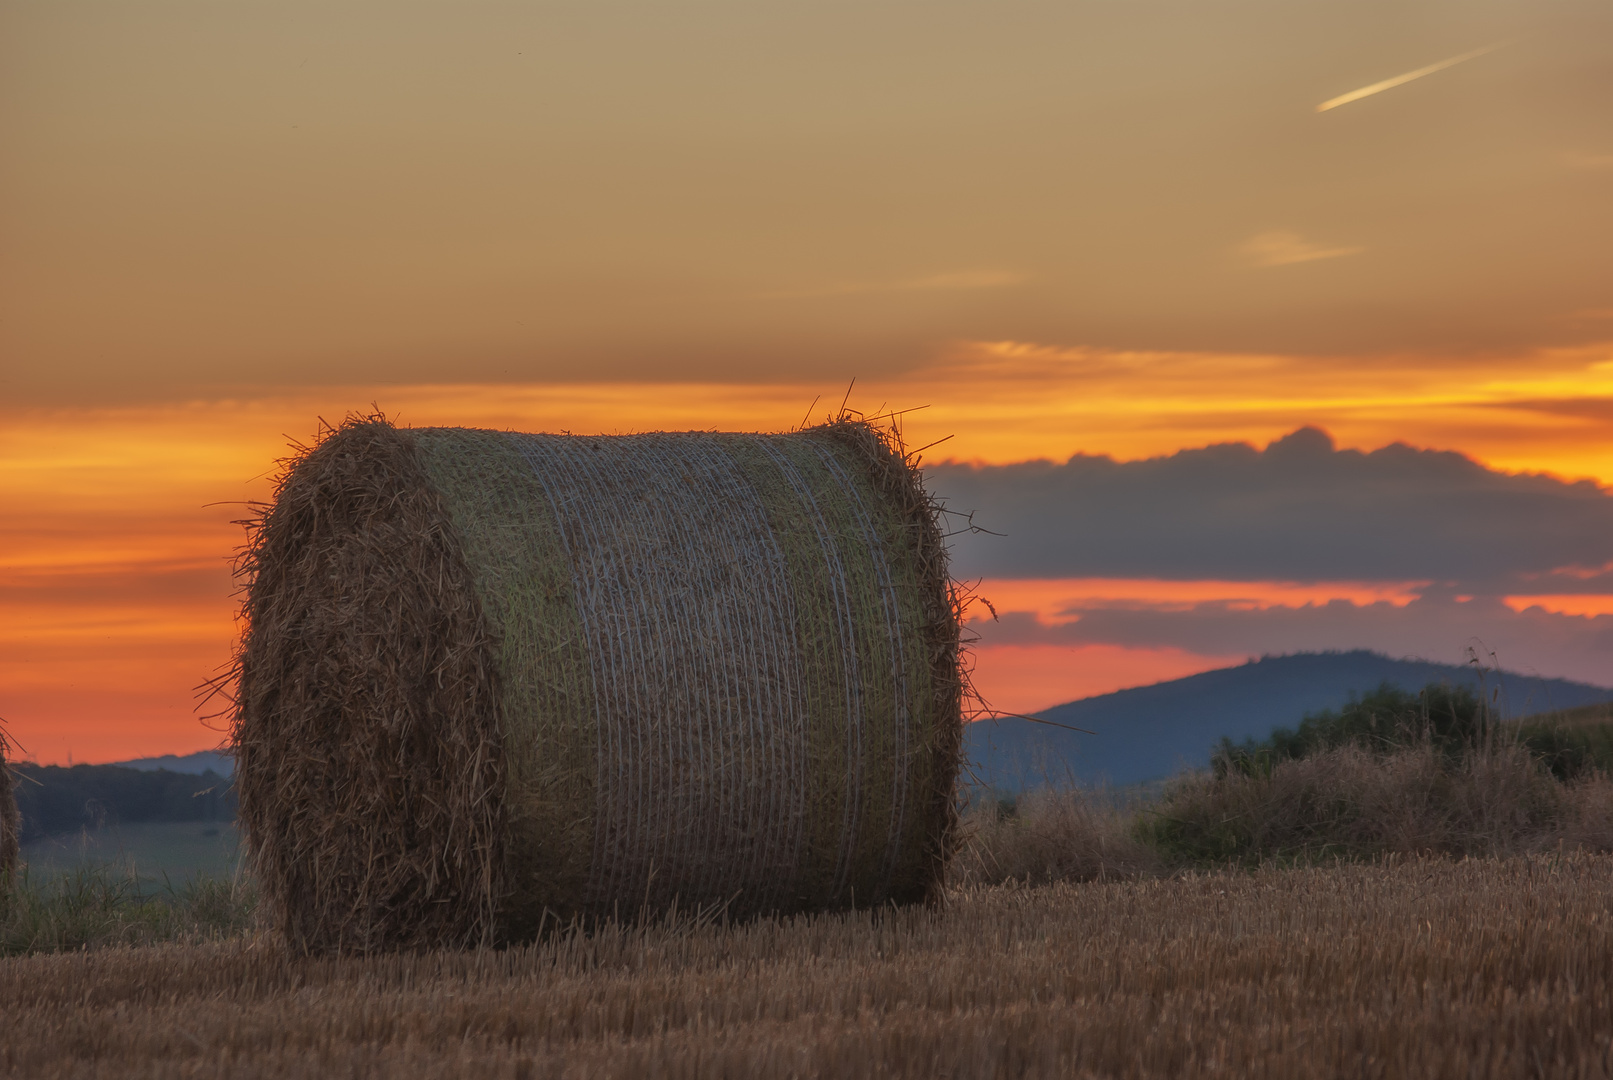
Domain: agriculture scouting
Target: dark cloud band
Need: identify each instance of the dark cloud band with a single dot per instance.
(1299, 510)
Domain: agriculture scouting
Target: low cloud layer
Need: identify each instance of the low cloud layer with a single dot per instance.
(1299, 510)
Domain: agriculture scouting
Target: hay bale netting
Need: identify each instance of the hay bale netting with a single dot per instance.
(490, 679)
(10, 820)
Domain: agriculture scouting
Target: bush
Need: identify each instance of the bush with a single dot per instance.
(1568, 748)
(1355, 800)
(1450, 718)
(1352, 801)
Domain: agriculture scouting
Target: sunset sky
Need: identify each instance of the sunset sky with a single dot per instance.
(1235, 373)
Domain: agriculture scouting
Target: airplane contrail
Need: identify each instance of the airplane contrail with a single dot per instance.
(1389, 84)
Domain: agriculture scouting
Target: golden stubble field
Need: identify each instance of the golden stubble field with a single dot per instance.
(1409, 968)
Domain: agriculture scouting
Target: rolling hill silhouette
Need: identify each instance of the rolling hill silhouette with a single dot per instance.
(200, 762)
(1150, 732)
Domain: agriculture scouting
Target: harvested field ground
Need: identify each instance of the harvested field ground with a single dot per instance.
(1408, 968)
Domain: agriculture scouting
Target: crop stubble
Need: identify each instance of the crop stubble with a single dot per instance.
(1406, 968)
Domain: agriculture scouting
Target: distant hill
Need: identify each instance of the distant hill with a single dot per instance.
(202, 761)
(1153, 731)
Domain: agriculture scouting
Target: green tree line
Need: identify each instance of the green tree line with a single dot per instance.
(56, 799)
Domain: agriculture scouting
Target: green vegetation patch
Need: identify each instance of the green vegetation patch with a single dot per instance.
(153, 851)
(95, 906)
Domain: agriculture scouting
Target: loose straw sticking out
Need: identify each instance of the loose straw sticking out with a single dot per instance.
(492, 678)
(10, 819)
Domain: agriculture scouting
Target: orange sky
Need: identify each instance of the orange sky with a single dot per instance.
(1100, 228)
(212, 200)
(113, 553)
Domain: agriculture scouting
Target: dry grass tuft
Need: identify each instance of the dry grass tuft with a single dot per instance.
(1405, 968)
(10, 820)
(1054, 834)
(1587, 820)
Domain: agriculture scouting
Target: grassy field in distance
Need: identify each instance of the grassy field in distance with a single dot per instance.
(179, 850)
(1403, 968)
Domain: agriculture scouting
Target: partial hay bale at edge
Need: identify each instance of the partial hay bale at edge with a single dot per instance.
(490, 679)
(10, 819)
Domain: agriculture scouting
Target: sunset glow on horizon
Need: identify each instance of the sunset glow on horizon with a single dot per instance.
(121, 525)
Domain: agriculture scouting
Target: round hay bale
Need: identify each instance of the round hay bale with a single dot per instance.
(10, 819)
(491, 679)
